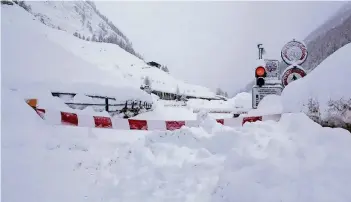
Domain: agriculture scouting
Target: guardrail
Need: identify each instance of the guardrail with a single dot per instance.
(132, 106)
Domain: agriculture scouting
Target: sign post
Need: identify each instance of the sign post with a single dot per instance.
(294, 53)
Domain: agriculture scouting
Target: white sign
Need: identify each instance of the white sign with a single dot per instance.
(258, 93)
(294, 52)
(272, 67)
(292, 73)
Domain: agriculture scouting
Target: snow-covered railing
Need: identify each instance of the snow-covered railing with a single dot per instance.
(129, 107)
(222, 110)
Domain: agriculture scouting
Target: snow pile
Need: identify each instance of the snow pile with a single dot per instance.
(161, 112)
(242, 100)
(209, 104)
(262, 161)
(48, 163)
(270, 104)
(294, 160)
(326, 82)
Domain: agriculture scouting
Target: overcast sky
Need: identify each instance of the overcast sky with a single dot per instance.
(211, 43)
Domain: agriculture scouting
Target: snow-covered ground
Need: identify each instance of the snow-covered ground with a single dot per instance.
(294, 159)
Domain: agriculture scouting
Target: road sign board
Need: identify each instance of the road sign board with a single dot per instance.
(294, 52)
(292, 73)
(272, 67)
(258, 93)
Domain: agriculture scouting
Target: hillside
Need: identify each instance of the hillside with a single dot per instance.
(80, 18)
(327, 38)
(57, 56)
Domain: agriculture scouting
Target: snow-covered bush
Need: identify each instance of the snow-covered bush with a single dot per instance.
(338, 113)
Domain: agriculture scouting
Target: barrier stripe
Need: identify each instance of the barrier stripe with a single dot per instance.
(73, 119)
(173, 125)
(102, 122)
(69, 118)
(252, 119)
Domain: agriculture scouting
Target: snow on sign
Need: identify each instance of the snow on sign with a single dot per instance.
(292, 73)
(272, 67)
(258, 93)
(294, 52)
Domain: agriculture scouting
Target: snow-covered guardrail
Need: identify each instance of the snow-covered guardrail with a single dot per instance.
(235, 112)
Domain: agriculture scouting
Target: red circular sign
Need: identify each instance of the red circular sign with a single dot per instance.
(294, 52)
(292, 74)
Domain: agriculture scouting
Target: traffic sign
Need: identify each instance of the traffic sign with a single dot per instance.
(292, 73)
(272, 67)
(294, 52)
(258, 93)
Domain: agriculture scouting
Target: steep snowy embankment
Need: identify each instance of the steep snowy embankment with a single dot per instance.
(329, 81)
(124, 67)
(32, 60)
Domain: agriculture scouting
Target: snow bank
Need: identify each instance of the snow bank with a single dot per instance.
(327, 81)
(50, 163)
(270, 104)
(242, 100)
(295, 160)
(262, 161)
(209, 104)
(161, 112)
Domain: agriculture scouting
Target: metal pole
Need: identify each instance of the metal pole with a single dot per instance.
(259, 51)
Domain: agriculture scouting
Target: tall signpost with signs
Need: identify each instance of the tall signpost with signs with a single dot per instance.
(268, 78)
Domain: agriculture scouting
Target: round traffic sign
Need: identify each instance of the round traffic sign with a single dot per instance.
(292, 73)
(294, 52)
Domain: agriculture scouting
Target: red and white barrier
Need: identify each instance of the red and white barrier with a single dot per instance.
(73, 119)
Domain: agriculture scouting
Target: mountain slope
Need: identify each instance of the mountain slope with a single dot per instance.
(328, 38)
(33, 61)
(80, 18)
(52, 55)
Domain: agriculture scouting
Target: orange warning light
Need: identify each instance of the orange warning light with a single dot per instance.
(260, 71)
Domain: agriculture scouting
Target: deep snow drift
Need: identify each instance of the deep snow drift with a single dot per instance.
(329, 81)
(292, 160)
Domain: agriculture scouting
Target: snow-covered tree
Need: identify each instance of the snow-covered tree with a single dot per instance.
(101, 38)
(166, 69)
(147, 81)
(94, 38)
(219, 91)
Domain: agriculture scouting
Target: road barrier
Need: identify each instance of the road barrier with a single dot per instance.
(81, 120)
